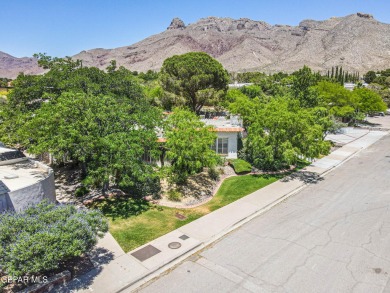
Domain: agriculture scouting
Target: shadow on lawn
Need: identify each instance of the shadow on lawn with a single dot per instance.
(122, 207)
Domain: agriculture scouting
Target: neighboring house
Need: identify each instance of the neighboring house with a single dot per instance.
(350, 86)
(238, 85)
(23, 182)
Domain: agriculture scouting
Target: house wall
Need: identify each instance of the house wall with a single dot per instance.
(20, 199)
(3, 202)
(232, 143)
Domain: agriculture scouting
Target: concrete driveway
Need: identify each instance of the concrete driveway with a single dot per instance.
(333, 236)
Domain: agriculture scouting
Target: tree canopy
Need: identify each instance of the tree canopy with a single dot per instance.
(107, 135)
(99, 120)
(281, 132)
(195, 76)
(188, 144)
(369, 76)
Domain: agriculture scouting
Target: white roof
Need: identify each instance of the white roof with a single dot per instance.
(22, 174)
(5, 150)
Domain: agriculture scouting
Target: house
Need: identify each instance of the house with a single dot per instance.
(23, 182)
(229, 133)
(350, 86)
(238, 85)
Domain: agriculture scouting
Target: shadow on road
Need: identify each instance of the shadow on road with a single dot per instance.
(305, 176)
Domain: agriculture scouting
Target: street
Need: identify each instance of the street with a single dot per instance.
(333, 236)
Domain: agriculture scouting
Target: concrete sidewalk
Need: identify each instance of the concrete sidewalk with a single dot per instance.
(116, 271)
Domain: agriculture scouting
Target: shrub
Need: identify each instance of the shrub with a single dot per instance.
(213, 173)
(336, 126)
(240, 166)
(45, 235)
(174, 195)
(81, 191)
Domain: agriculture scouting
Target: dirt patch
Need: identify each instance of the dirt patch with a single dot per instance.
(199, 189)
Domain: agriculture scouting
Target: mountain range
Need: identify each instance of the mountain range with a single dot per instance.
(356, 42)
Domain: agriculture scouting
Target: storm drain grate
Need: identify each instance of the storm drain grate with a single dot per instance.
(146, 252)
(184, 237)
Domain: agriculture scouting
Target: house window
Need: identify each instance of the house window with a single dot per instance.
(147, 157)
(221, 146)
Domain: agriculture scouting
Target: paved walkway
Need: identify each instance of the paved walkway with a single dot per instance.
(116, 271)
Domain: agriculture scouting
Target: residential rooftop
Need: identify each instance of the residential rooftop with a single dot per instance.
(17, 171)
(22, 174)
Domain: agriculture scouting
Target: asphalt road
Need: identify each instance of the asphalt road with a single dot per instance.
(333, 236)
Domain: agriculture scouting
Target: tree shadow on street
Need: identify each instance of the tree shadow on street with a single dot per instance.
(304, 176)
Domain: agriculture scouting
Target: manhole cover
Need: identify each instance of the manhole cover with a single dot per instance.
(174, 245)
(180, 216)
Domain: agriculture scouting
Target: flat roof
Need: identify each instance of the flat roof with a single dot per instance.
(6, 150)
(20, 175)
(7, 154)
(229, 129)
(222, 124)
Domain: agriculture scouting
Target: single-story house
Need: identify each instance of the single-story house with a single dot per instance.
(229, 132)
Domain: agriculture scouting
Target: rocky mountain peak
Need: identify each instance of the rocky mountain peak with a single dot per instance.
(365, 15)
(176, 23)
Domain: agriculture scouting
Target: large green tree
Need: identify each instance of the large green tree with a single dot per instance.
(369, 101)
(281, 133)
(349, 105)
(188, 144)
(369, 76)
(341, 102)
(197, 77)
(64, 75)
(106, 135)
(303, 81)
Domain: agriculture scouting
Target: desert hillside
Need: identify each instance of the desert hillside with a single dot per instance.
(356, 42)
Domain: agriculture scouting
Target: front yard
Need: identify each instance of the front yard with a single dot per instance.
(134, 223)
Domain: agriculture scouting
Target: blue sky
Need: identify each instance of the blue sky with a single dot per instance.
(66, 27)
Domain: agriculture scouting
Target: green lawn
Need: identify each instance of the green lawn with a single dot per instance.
(132, 229)
(240, 166)
(236, 187)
